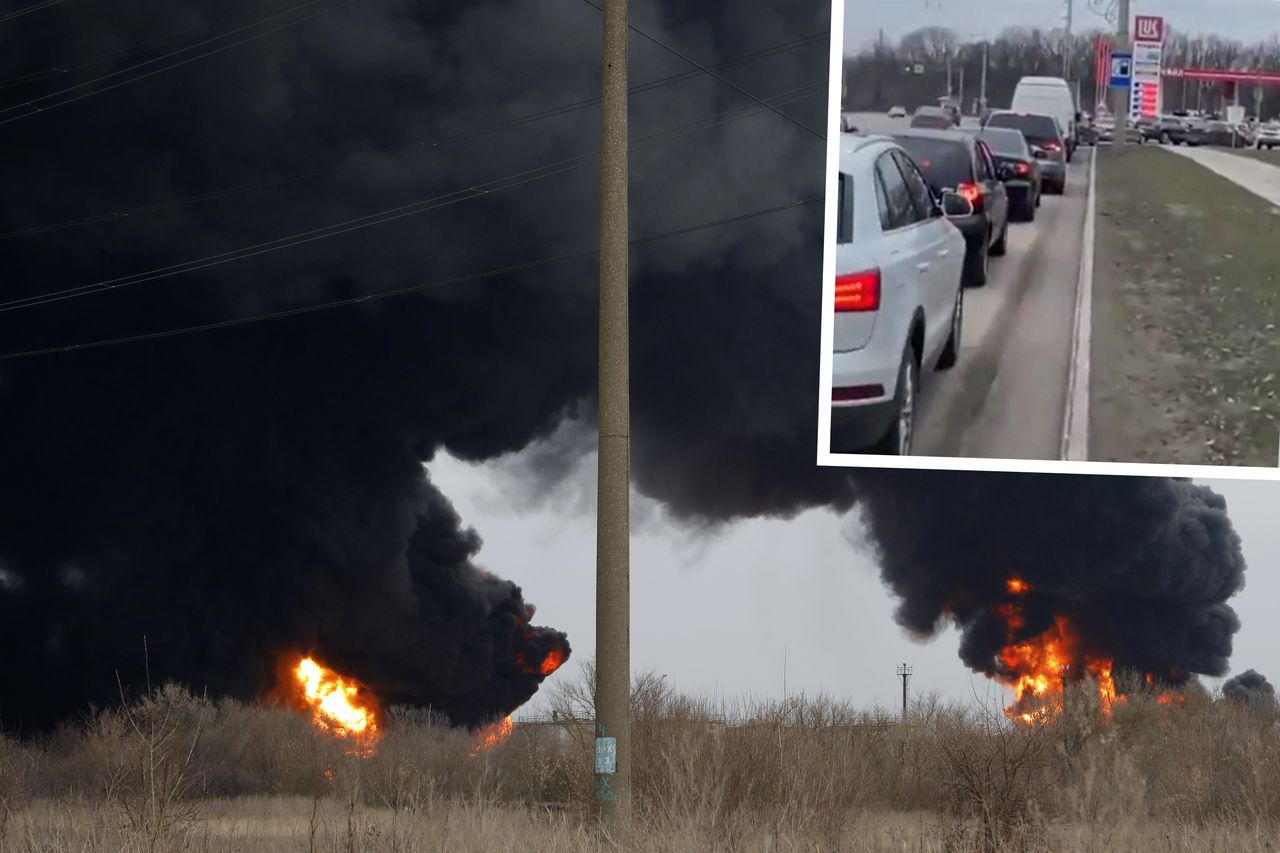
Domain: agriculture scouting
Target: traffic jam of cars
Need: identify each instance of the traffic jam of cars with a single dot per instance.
(923, 207)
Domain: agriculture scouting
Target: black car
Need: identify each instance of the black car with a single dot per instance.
(1221, 133)
(1017, 167)
(1044, 137)
(963, 164)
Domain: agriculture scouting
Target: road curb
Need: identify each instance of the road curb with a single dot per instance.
(1075, 422)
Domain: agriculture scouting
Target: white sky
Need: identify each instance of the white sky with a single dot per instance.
(1250, 20)
(715, 613)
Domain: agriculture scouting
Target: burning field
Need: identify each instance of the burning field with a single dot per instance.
(176, 771)
(1068, 582)
(1041, 667)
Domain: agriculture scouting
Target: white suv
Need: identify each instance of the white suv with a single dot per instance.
(1268, 136)
(899, 304)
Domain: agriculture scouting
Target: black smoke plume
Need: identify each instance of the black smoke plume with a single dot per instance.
(1250, 688)
(230, 494)
(1141, 568)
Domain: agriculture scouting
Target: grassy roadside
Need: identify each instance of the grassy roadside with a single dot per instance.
(174, 772)
(1186, 352)
(1266, 155)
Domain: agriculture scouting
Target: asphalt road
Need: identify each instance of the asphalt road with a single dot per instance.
(1007, 396)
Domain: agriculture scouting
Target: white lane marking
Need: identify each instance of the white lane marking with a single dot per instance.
(1075, 421)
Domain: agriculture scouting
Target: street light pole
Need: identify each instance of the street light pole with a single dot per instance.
(613, 497)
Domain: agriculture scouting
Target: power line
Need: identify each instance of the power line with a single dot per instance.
(34, 7)
(387, 294)
(710, 73)
(32, 105)
(65, 67)
(347, 163)
(399, 212)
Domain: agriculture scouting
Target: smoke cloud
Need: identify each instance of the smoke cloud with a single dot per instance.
(1250, 688)
(231, 495)
(1142, 568)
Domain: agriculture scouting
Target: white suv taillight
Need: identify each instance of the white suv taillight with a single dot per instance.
(859, 291)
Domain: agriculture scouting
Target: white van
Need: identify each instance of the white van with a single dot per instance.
(1049, 96)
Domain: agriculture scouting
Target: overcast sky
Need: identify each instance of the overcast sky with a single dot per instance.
(715, 613)
(1242, 19)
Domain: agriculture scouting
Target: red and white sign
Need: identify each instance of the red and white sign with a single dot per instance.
(1101, 67)
(1148, 29)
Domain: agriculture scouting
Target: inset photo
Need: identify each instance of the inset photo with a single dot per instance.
(1050, 239)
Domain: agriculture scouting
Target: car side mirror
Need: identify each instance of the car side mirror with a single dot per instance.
(955, 205)
(1004, 173)
(1040, 155)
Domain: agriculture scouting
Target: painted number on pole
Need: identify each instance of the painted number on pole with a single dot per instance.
(606, 755)
(1121, 69)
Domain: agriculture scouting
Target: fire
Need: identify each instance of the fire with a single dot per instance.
(338, 706)
(551, 662)
(1038, 668)
(492, 735)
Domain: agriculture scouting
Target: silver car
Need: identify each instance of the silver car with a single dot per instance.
(899, 305)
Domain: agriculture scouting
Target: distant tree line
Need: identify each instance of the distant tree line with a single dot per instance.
(883, 73)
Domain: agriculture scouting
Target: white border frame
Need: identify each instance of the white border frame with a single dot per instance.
(948, 463)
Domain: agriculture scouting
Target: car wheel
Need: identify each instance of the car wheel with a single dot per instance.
(1002, 245)
(1028, 211)
(951, 350)
(1164, 139)
(897, 442)
(975, 264)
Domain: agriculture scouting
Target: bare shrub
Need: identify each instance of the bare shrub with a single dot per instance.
(144, 752)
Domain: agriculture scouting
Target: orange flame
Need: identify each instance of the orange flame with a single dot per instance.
(1036, 668)
(338, 706)
(552, 661)
(492, 735)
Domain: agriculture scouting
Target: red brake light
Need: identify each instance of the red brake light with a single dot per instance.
(970, 192)
(1052, 146)
(859, 291)
(1022, 168)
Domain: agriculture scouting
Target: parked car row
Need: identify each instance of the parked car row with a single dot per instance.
(1195, 131)
(921, 213)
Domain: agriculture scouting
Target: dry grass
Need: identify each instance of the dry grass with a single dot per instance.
(1186, 308)
(175, 772)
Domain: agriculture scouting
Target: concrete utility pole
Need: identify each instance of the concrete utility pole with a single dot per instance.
(1120, 95)
(613, 496)
(1066, 43)
(982, 92)
(904, 673)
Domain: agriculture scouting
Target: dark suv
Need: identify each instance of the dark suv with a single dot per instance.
(1167, 130)
(1047, 145)
(962, 164)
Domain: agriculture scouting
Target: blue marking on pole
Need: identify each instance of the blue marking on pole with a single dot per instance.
(1121, 69)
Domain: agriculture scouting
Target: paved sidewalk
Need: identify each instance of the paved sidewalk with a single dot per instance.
(1261, 179)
